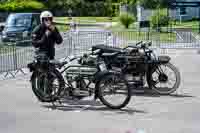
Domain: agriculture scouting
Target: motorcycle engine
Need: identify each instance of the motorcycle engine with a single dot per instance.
(88, 60)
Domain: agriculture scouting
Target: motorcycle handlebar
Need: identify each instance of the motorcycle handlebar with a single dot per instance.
(133, 46)
(139, 43)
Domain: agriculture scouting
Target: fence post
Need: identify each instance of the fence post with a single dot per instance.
(14, 56)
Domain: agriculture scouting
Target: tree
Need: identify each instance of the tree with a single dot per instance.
(130, 2)
(127, 19)
(22, 6)
(158, 20)
(152, 4)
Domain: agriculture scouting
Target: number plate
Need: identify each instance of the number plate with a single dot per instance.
(103, 67)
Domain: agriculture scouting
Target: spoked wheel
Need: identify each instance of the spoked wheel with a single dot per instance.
(47, 86)
(165, 79)
(113, 91)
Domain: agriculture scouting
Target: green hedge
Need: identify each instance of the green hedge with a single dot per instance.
(159, 19)
(99, 9)
(79, 7)
(127, 19)
(22, 6)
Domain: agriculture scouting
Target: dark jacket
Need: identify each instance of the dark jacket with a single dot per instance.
(44, 43)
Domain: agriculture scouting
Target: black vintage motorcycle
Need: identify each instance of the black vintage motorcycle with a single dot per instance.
(139, 63)
(79, 80)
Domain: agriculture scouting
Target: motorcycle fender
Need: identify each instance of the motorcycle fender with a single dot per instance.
(31, 66)
(32, 76)
(164, 59)
(98, 76)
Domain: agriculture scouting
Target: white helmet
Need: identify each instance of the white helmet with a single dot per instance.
(45, 14)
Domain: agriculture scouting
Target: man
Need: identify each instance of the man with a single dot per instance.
(46, 35)
(44, 38)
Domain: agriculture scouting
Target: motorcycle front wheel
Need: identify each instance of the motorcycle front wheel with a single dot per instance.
(164, 79)
(113, 91)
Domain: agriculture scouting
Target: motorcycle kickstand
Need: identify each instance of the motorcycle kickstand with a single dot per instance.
(60, 102)
(53, 105)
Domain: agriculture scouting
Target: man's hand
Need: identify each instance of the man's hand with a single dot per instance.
(52, 27)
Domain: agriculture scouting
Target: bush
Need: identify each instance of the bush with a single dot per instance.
(195, 19)
(85, 8)
(115, 9)
(126, 19)
(22, 6)
(159, 20)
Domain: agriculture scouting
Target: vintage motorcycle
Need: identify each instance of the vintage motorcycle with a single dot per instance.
(139, 63)
(86, 78)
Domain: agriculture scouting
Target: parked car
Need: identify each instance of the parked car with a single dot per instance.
(18, 27)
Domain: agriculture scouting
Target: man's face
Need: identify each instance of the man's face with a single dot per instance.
(47, 21)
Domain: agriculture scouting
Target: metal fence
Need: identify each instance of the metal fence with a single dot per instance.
(14, 57)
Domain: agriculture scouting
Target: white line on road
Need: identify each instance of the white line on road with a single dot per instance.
(179, 35)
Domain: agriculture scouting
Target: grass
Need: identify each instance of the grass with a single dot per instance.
(6, 49)
(87, 20)
(193, 25)
(186, 24)
(133, 34)
(82, 20)
(153, 36)
(130, 34)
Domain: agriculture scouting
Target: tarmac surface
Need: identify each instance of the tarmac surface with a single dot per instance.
(20, 111)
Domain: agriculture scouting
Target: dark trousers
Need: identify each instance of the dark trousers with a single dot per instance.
(51, 57)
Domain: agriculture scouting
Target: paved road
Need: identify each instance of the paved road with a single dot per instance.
(185, 36)
(20, 112)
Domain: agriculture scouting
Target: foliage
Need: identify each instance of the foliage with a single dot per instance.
(84, 8)
(126, 19)
(22, 6)
(195, 19)
(130, 2)
(159, 19)
(151, 4)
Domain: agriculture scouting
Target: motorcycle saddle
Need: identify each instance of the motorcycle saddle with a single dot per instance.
(106, 49)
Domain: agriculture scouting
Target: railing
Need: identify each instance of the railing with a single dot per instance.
(14, 56)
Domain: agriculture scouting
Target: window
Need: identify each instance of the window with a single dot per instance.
(183, 11)
(19, 20)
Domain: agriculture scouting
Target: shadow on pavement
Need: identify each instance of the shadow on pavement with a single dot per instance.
(181, 95)
(88, 105)
(146, 92)
(119, 111)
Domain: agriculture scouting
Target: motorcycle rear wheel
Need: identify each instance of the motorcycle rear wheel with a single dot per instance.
(45, 89)
(163, 79)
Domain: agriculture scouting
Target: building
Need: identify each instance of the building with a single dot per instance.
(185, 13)
(179, 13)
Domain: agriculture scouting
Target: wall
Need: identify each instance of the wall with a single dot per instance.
(191, 12)
(143, 14)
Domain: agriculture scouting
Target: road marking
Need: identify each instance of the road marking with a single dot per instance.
(179, 35)
(197, 37)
